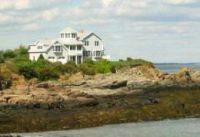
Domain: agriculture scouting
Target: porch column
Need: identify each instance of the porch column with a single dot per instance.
(76, 59)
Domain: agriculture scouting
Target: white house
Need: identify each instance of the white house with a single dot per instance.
(71, 46)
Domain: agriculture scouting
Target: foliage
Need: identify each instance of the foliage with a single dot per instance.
(88, 69)
(47, 74)
(70, 67)
(8, 54)
(28, 72)
(5, 76)
(21, 51)
(103, 66)
(2, 60)
(130, 63)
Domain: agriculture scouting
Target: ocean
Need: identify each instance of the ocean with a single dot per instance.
(166, 128)
(174, 67)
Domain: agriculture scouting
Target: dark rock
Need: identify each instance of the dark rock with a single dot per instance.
(87, 103)
(117, 84)
(154, 100)
(142, 85)
(43, 85)
(55, 105)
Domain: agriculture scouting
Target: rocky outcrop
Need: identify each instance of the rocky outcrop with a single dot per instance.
(81, 91)
(116, 84)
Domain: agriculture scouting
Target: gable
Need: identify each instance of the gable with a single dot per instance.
(90, 35)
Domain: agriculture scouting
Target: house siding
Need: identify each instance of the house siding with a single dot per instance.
(92, 47)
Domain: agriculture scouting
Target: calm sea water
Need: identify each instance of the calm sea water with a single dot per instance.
(167, 128)
(173, 67)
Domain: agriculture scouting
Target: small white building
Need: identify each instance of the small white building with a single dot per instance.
(71, 46)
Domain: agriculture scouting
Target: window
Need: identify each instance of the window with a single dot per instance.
(57, 48)
(62, 35)
(86, 53)
(39, 47)
(73, 35)
(72, 48)
(96, 43)
(87, 43)
(73, 58)
(51, 57)
(98, 53)
(67, 35)
(79, 47)
(79, 59)
(61, 57)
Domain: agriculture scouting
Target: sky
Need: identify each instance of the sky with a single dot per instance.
(156, 30)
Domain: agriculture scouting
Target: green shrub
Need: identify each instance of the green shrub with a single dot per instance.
(21, 51)
(9, 54)
(5, 77)
(70, 67)
(89, 61)
(88, 69)
(28, 72)
(130, 63)
(103, 66)
(47, 74)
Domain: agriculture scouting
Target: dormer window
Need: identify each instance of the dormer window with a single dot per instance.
(73, 35)
(58, 48)
(62, 35)
(39, 47)
(67, 35)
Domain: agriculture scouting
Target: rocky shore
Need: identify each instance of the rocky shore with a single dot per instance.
(139, 93)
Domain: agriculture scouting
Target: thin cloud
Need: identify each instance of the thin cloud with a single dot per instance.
(31, 27)
(14, 4)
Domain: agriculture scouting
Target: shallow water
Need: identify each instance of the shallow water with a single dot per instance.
(167, 128)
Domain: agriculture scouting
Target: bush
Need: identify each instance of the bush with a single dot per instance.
(70, 67)
(21, 51)
(89, 61)
(103, 66)
(88, 69)
(47, 74)
(9, 54)
(28, 72)
(5, 77)
(130, 63)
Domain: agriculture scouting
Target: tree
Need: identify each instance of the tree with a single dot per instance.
(21, 51)
(41, 57)
(9, 54)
